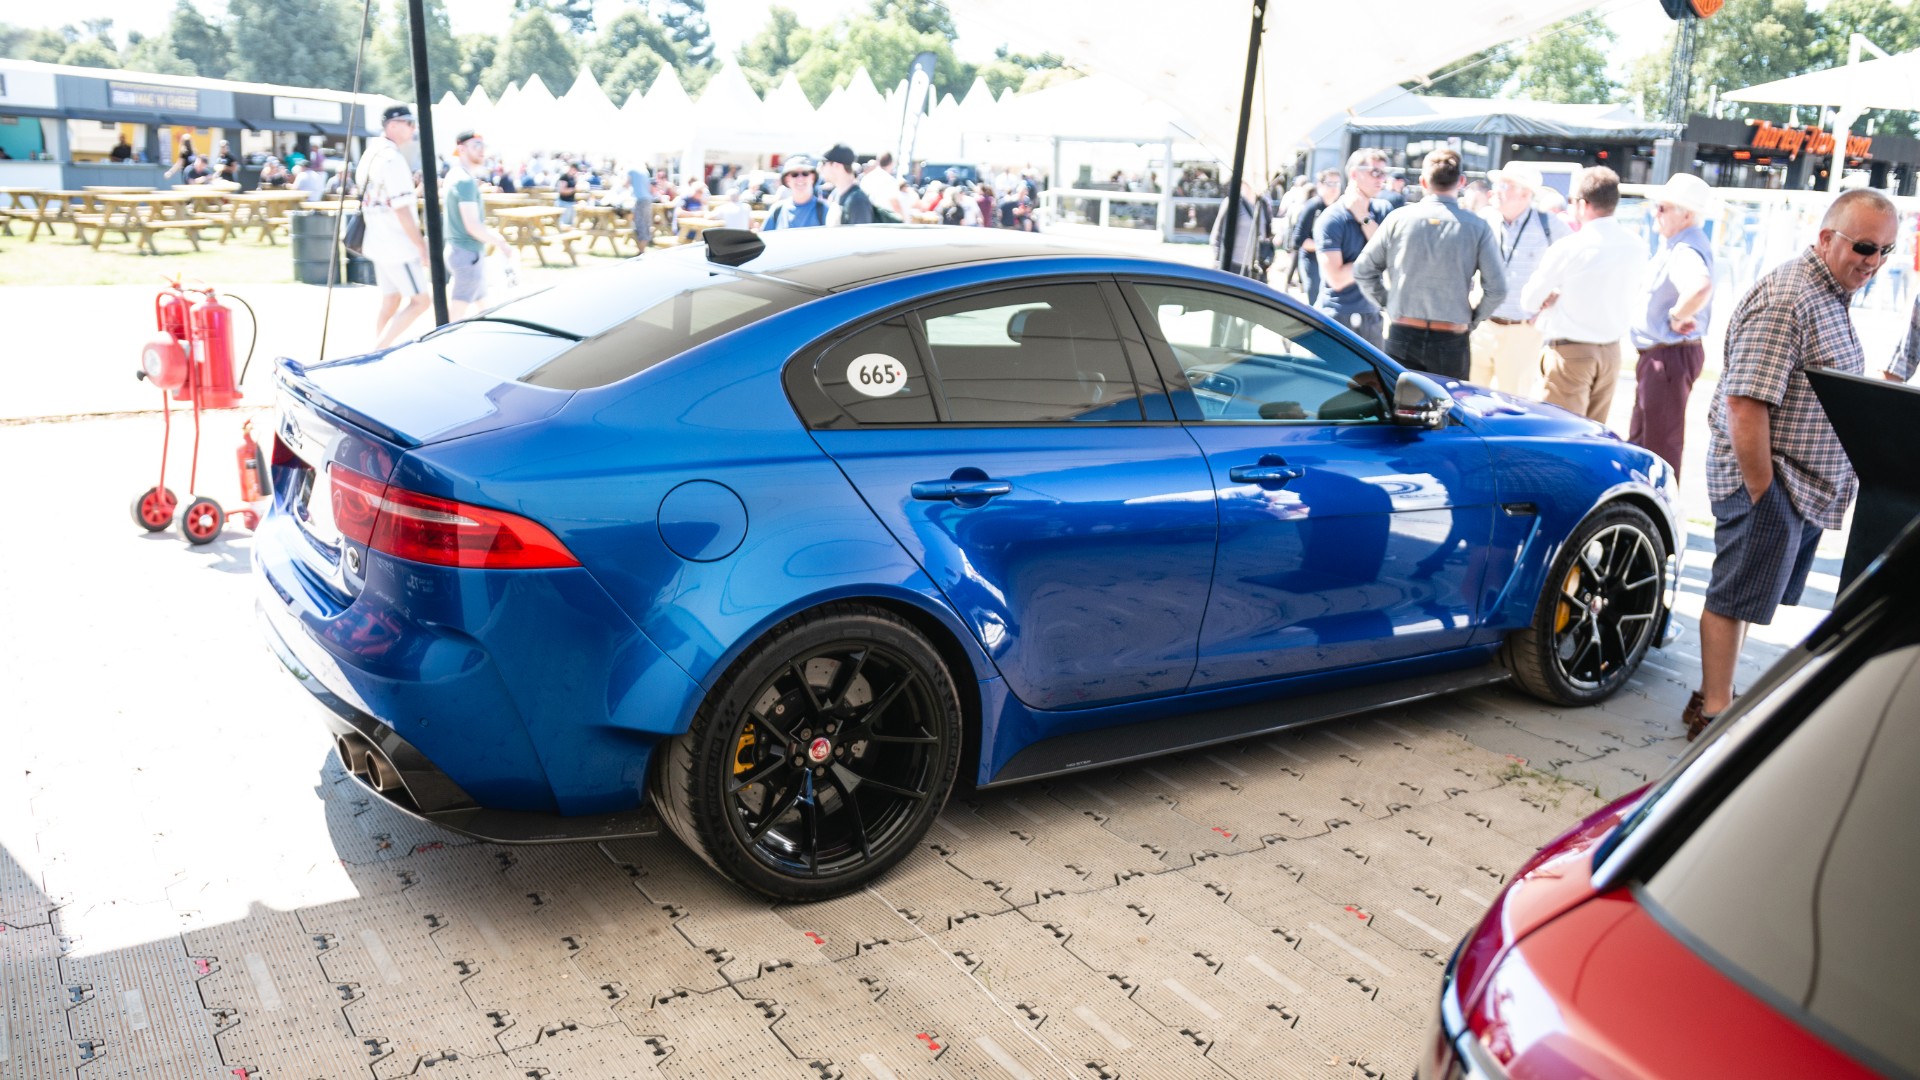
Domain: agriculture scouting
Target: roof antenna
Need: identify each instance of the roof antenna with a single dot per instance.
(731, 247)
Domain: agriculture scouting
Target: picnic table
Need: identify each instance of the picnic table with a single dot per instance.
(23, 203)
(110, 189)
(527, 227)
(599, 223)
(146, 213)
(265, 209)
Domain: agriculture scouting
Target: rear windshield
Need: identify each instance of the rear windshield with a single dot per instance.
(630, 317)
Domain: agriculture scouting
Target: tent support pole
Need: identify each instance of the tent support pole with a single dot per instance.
(1166, 192)
(429, 163)
(1230, 206)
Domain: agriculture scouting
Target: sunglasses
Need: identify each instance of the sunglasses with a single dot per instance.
(801, 175)
(1381, 173)
(1866, 247)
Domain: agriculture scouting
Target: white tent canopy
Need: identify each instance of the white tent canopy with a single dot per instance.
(1200, 75)
(1892, 83)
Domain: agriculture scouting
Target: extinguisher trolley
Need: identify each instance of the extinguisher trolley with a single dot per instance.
(191, 358)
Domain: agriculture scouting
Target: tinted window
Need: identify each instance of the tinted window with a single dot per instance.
(1247, 361)
(1028, 355)
(876, 378)
(632, 317)
(1803, 876)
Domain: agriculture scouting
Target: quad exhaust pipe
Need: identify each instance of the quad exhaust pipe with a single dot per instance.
(369, 764)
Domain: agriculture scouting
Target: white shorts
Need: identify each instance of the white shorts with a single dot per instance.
(406, 278)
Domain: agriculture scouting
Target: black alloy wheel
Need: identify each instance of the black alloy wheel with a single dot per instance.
(821, 758)
(1598, 611)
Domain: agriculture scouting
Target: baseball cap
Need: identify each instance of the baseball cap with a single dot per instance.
(839, 155)
(796, 163)
(467, 135)
(397, 112)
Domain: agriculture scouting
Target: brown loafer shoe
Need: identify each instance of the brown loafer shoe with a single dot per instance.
(1695, 717)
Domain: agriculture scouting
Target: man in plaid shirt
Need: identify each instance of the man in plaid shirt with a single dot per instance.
(1776, 473)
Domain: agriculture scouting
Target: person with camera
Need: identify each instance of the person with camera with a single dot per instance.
(1252, 235)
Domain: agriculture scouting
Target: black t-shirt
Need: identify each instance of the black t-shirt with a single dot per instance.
(1309, 213)
(566, 189)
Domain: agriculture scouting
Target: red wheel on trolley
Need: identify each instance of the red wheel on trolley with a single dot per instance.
(153, 508)
(201, 521)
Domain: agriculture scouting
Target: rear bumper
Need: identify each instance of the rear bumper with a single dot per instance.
(399, 774)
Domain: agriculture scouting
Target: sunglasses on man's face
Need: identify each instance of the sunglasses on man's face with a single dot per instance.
(1866, 248)
(800, 176)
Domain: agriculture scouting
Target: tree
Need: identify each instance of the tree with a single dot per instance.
(100, 30)
(477, 54)
(90, 52)
(533, 47)
(629, 53)
(1567, 63)
(686, 23)
(155, 54)
(925, 16)
(197, 41)
(307, 44)
(32, 43)
(391, 54)
(886, 48)
(1483, 75)
(768, 55)
(1750, 42)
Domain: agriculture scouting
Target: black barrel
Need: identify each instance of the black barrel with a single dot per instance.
(312, 242)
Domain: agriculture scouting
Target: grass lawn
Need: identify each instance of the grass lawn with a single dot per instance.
(64, 260)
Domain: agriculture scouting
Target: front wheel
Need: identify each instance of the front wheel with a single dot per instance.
(200, 522)
(821, 758)
(1597, 613)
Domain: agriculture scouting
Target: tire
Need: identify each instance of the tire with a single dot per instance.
(153, 509)
(200, 522)
(1598, 610)
(820, 759)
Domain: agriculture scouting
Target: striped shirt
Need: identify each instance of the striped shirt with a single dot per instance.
(1793, 319)
(1523, 243)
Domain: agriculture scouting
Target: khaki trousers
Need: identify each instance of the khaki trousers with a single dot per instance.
(1579, 377)
(1506, 358)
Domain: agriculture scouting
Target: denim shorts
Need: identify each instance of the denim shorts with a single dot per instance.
(1762, 553)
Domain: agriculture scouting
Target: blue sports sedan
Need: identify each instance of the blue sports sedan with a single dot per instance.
(779, 537)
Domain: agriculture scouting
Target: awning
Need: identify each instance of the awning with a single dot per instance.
(1522, 125)
(1892, 83)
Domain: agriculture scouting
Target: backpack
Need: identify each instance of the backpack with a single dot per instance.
(885, 217)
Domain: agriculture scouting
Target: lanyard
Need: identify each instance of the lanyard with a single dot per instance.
(1517, 237)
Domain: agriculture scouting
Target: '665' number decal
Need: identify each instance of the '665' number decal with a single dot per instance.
(877, 375)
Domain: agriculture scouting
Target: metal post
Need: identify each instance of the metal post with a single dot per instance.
(1231, 207)
(429, 162)
(1166, 192)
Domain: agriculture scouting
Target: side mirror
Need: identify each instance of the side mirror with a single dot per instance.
(1419, 401)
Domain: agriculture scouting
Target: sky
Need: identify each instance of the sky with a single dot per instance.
(1639, 24)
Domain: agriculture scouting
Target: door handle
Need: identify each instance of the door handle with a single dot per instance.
(955, 490)
(1265, 474)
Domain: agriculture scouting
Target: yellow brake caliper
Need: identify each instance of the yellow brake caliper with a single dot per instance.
(742, 754)
(1564, 613)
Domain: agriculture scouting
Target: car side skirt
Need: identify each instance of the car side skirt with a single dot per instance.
(1189, 730)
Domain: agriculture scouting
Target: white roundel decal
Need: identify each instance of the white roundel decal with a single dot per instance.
(877, 375)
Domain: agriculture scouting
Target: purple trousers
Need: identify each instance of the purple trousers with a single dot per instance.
(1663, 382)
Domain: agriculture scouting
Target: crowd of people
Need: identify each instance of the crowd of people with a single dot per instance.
(1512, 287)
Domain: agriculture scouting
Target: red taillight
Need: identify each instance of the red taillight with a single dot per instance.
(443, 532)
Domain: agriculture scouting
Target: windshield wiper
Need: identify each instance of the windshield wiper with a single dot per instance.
(543, 328)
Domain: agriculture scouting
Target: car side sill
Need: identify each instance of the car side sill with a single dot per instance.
(1100, 747)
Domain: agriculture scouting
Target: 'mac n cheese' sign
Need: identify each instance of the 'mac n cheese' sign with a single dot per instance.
(1810, 139)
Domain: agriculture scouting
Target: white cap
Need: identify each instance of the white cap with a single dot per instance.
(1686, 191)
(1518, 172)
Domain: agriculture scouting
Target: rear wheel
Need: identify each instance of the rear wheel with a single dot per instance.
(1598, 612)
(153, 509)
(820, 759)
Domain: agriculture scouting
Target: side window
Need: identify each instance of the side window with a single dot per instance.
(875, 376)
(1247, 361)
(1044, 353)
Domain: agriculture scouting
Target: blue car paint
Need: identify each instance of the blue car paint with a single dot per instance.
(596, 465)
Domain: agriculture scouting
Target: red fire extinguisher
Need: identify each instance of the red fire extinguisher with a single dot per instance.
(254, 484)
(170, 318)
(210, 325)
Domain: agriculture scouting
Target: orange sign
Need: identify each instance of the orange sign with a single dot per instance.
(1812, 140)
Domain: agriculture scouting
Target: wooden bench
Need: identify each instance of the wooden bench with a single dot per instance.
(190, 226)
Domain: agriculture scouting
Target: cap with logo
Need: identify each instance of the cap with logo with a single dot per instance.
(840, 155)
(397, 112)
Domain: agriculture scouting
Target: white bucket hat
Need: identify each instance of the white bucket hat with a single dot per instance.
(1519, 172)
(1686, 191)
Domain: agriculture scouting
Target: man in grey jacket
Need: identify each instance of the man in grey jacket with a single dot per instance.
(1432, 249)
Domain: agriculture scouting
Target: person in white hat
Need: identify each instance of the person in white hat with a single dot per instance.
(1506, 348)
(1676, 306)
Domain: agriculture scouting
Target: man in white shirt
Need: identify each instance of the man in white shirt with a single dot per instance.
(394, 242)
(1584, 289)
(883, 188)
(1506, 348)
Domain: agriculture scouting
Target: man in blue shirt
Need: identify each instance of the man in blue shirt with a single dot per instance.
(801, 208)
(1341, 234)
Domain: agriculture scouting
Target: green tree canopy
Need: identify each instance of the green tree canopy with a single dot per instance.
(156, 54)
(1483, 75)
(533, 47)
(767, 56)
(629, 53)
(1567, 63)
(311, 43)
(390, 55)
(477, 54)
(686, 23)
(198, 41)
(32, 43)
(90, 52)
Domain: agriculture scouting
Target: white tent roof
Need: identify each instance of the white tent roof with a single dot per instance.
(585, 120)
(1890, 83)
(666, 114)
(1200, 75)
(1096, 107)
(856, 114)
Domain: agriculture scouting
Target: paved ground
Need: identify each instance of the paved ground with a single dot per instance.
(190, 888)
